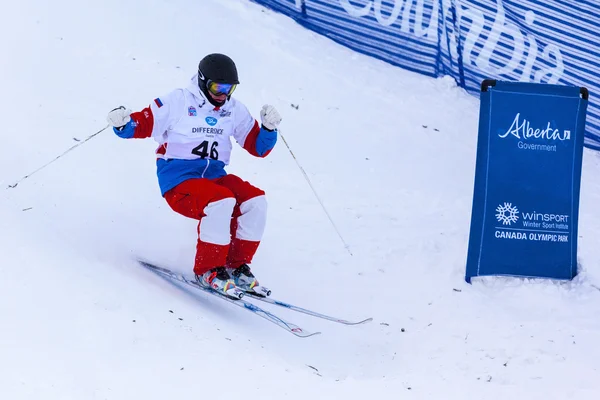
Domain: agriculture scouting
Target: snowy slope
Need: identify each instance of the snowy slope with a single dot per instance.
(393, 162)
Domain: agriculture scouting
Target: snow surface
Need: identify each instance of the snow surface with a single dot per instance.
(390, 153)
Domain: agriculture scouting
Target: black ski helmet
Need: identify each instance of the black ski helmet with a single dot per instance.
(216, 68)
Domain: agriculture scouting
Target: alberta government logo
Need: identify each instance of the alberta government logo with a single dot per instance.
(532, 226)
(537, 138)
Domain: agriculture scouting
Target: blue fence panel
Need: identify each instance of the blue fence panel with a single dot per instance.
(471, 40)
(388, 32)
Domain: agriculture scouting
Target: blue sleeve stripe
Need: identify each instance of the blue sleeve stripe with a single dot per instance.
(265, 141)
(127, 132)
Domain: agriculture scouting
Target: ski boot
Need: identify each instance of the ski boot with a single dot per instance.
(246, 281)
(218, 279)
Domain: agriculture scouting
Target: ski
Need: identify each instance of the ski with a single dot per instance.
(288, 326)
(304, 310)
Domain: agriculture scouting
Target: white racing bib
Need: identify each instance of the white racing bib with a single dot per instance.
(192, 128)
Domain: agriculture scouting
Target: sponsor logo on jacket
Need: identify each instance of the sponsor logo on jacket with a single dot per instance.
(209, 131)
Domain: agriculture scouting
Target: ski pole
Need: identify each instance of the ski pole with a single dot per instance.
(316, 195)
(50, 162)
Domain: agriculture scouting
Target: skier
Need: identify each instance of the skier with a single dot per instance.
(193, 127)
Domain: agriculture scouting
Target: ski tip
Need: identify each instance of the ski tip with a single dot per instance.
(154, 267)
(304, 334)
(364, 321)
(149, 265)
(296, 330)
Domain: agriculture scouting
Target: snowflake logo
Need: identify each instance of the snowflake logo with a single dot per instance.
(507, 213)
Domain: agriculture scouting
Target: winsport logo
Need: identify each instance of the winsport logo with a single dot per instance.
(507, 214)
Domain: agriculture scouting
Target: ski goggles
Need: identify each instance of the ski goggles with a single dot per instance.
(220, 88)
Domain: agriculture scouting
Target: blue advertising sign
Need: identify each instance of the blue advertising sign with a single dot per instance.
(527, 181)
